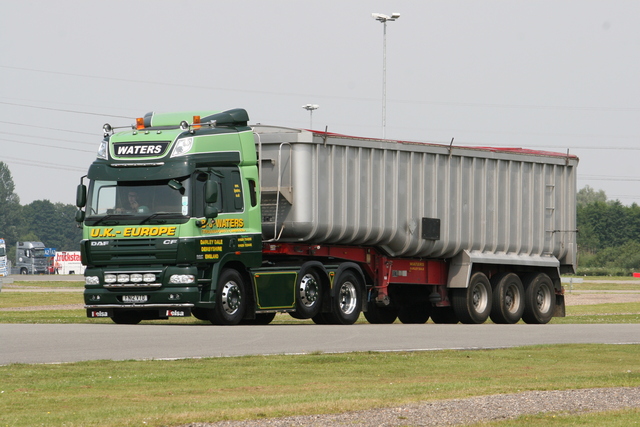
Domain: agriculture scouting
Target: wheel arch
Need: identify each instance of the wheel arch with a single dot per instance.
(250, 310)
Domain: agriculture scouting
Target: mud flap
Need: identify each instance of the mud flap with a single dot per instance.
(560, 309)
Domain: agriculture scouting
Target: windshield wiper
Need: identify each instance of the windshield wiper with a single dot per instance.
(106, 217)
(165, 214)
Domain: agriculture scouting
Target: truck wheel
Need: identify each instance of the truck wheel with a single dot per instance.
(414, 313)
(23, 271)
(444, 315)
(127, 317)
(539, 299)
(473, 304)
(230, 299)
(508, 298)
(380, 315)
(261, 319)
(322, 319)
(200, 313)
(308, 294)
(347, 302)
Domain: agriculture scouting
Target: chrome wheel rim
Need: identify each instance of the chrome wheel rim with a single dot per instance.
(308, 290)
(231, 297)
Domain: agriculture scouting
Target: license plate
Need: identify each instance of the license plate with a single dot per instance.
(135, 298)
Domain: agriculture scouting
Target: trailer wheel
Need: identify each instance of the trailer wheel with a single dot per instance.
(127, 317)
(508, 298)
(230, 299)
(347, 301)
(308, 294)
(380, 315)
(415, 313)
(444, 315)
(473, 304)
(539, 299)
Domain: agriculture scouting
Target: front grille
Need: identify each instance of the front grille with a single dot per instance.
(134, 251)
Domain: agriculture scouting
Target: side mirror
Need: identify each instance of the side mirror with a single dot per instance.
(79, 215)
(175, 185)
(210, 212)
(81, 196)
(211, 191)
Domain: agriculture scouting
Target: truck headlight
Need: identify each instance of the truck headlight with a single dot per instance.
(102, 151)
(92, 280)
(110, 278)
(182, 279)
(182, 147)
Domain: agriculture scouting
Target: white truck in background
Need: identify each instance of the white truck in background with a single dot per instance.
(68, 262)
(3, 259)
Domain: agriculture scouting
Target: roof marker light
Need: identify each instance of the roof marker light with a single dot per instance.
(139, 123)
(196, 122)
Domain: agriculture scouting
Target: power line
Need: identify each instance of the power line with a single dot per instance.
(63, 110)
(606, 178)
(49, 139)
(47, 128)
(45, 165)
(48, 146)
(454, 104)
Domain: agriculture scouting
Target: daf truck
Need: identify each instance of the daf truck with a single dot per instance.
(201, 214)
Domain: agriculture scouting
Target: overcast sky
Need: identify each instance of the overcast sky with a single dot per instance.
(555, 75)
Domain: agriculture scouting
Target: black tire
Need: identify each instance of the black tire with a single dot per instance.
(261, 319)
(321, 319)
(231, 300)
(308, 294)
(127, 317)
(346, 303)
(539, 299)
(444, 315)
(415, 313)
(380, 315)
(508, 298)
(473, 304)
(23, 271)
(200, 313)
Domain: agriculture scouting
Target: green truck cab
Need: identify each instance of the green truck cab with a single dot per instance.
(168, 203)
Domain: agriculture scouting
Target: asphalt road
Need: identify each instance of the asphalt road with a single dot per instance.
(26, 343)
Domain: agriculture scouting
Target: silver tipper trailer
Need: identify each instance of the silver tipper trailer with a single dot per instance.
(467, 205)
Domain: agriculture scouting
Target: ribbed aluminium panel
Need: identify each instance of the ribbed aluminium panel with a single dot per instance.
(331, 189)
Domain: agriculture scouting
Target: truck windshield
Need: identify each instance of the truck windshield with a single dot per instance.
(38, 252)
(118, 199)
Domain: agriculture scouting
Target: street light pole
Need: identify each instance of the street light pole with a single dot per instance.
(384, 18)
(310, 108)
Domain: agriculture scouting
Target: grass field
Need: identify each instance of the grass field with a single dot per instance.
(165, 393)
(169, 393)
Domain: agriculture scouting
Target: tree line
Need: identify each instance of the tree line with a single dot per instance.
(50, 223)
(608, 234)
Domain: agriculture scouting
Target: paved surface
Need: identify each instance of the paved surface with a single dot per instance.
(25, 343)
